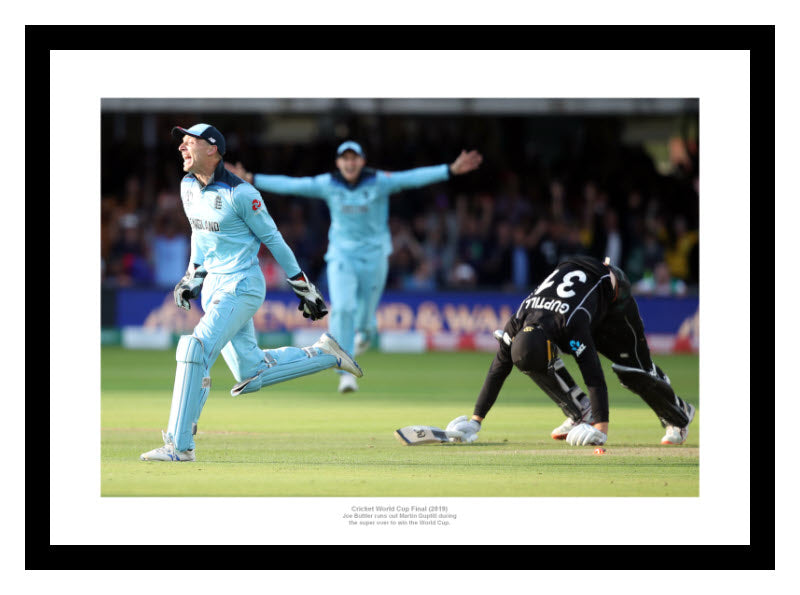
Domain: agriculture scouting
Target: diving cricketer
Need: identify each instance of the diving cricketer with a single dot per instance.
(584, 308)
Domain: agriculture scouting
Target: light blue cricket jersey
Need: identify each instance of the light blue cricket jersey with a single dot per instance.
(229, 222)
(359, 211)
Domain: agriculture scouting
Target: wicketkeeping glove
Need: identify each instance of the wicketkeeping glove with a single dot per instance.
(469, 429)
(188, 288)
(584, 434)
(311, 302)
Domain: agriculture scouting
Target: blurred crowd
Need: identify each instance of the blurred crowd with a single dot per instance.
(503, 227)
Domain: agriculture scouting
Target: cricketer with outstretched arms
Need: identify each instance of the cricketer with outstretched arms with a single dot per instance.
(229, 223)
(359, 242)
(585, 308)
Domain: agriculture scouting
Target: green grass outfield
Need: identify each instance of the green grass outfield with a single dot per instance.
(303, 438)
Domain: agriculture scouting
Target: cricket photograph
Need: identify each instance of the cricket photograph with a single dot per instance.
(381, 273)
(444, 313)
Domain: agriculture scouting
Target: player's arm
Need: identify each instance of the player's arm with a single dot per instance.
(196, 255)
(583, 349)
(423, 176)
(499, 370)
(190, 285)
(309, 186)
(249, 206)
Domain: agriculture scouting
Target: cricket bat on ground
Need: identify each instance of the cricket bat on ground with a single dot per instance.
(413, 435)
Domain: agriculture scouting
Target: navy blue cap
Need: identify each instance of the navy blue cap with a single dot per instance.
(350, 145)
(205, 131)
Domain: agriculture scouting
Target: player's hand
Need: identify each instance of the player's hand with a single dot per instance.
(466, 162)
(469, 429)
(584, 434)
(311, 302)
(240, 171)
(189, 287)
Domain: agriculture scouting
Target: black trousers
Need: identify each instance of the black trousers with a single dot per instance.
(620, 337)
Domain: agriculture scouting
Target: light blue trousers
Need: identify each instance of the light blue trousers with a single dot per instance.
(355, 284)
(229, 303)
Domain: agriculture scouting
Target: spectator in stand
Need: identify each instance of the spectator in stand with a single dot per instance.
(406, 252)
(422, 279)
(557, 199)
(632, 222)
(511, 203)
(304, 238)
(570, 242)
(128, 261)
(108, 225)
(170, 250)
(475, 221)
(496, 266)
(652, 252)
(448, 227)
(471, 246)
(678, 253)
(613, 238)
(434, 249)
(401, 264)
(544, 251)
(633, 240)
(462, 276)
(168, 201)
(132, 200)
(595, 220)
(520, 260)
(660, 283)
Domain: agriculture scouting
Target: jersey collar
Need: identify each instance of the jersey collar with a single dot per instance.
(219, 171)
(363, 175)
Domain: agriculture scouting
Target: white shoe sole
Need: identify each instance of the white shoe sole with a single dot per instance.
(343, 361)
(143, 457)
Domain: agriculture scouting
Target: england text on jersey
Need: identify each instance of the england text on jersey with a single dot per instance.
(204, 225)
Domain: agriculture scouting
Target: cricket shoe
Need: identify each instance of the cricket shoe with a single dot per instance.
(327, 344)
(675, 434)
(347, 384)
(560, 433)
(362, 343)
(167, 452)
